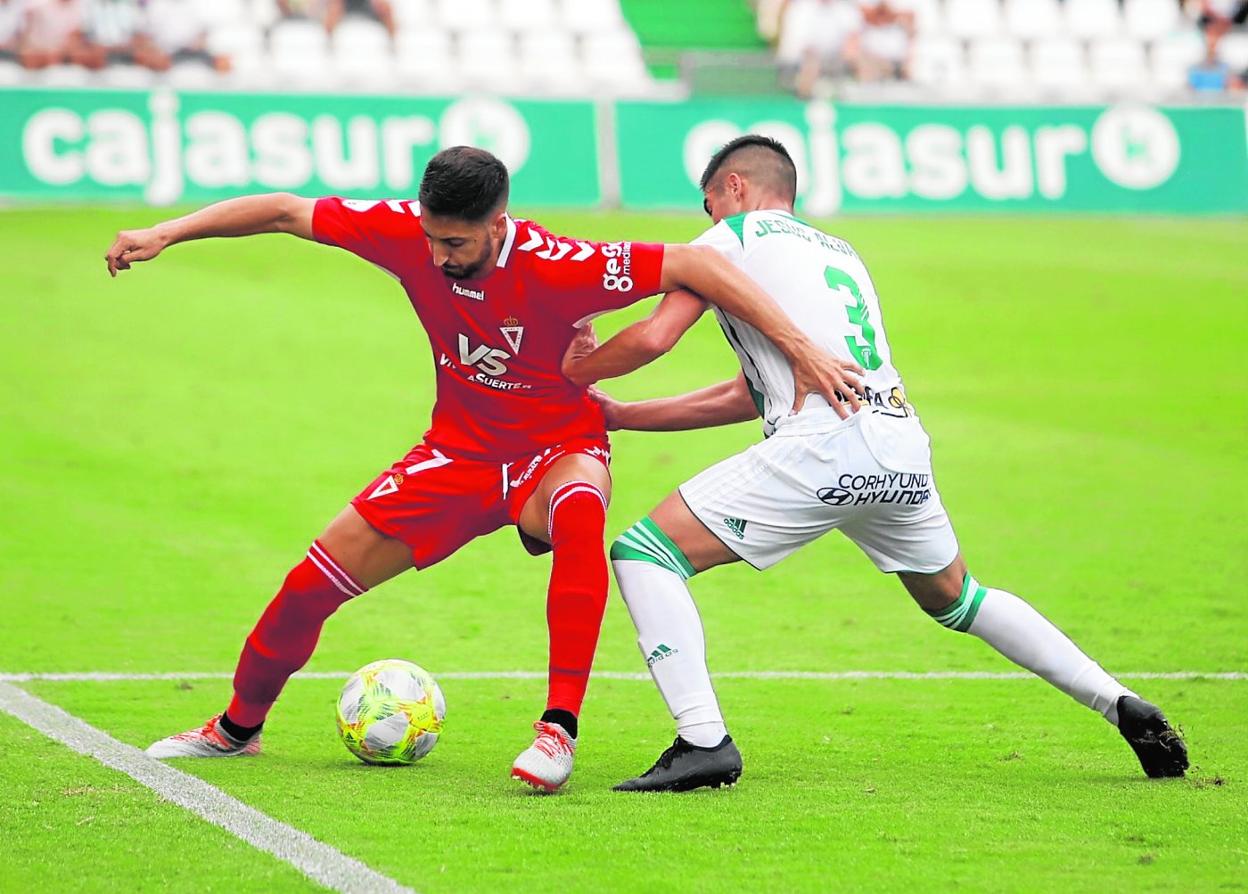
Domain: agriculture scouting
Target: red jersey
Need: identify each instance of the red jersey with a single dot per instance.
(498, 341)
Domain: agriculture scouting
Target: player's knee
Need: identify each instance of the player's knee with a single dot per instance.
(960, 611)
(578, 511)
(646, 542)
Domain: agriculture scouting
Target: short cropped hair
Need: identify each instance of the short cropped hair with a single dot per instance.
(757, 158)
(464, 183)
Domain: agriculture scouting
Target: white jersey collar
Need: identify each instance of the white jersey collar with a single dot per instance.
(508, 242)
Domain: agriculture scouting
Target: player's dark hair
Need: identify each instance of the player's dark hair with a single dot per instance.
(757, 158)
(464, 183)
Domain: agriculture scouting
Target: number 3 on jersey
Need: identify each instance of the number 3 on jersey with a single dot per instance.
(867, 355)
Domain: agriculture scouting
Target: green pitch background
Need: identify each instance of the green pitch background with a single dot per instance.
(171, 441)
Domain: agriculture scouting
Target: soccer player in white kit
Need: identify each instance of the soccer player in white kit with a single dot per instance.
(862, 467)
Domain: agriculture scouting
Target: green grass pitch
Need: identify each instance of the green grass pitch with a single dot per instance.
(171, 441)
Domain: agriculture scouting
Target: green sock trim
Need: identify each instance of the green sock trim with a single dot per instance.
(971, 612)
(961, 614)
(646, 542)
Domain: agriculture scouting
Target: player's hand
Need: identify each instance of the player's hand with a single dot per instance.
(134, 245)
(584, 343)
(816, 371)
(610, 407)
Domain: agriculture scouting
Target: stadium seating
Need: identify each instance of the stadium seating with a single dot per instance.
(1062, 49)
(998, 64)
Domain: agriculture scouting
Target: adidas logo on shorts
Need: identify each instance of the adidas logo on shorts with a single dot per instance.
(736, 526)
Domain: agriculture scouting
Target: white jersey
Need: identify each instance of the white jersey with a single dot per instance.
(823, 286)
(869, 476)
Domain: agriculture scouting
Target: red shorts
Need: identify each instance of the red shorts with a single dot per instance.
(436, 503)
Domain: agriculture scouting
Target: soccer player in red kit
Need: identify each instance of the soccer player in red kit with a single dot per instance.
(512, 442)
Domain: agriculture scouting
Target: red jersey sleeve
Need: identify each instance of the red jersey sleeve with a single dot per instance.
(382, 232)
(582, 279)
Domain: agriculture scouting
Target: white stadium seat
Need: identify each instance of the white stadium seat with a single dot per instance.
(1173, 57)
(487, 58)
(1233, 50)
(423, 59)
(1150, 19)
(937, 61)
(192, 76)
(548, 60)
(927, 14)
(614, 59)
(528, 15)
(63, 76)
(413, 15)
(221, 12)
(299, 50)
(591, 16)
(264, 12)
(362, 52)
(11, 74)
(997, 63)
(124, 77)
(972, 18)
(1118, 64)
(1090, 19)
(1033, 19)
(239, 40)
(1057, 63)
(467, 15)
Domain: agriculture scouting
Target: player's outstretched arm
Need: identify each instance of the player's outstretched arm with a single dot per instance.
(278, 212)
(705, 271)
(635, 345)
(721, 404)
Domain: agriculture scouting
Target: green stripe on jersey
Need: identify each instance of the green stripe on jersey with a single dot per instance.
(736, 223)
(646, 542)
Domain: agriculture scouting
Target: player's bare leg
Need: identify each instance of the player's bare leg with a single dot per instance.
(652, 561)
(957, 601)
(568, 511)
(347, 559)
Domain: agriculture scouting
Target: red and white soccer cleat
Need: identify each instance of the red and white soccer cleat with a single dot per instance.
(207, 741)
(547, 763)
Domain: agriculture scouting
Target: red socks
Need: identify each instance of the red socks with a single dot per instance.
(577, 596)
(287, 632)
(284, 637)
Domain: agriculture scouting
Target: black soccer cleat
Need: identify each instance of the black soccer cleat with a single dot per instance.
(1156, 743)
(684, 767)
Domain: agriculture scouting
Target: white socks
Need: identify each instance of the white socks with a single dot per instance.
(1030, 640)
(669, 633)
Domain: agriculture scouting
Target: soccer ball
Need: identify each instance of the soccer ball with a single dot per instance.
(390, 712)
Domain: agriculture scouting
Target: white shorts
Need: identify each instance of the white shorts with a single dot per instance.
(869, 476)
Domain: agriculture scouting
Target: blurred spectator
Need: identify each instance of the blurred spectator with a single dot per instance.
(109, 30)
(52, 33)
(817, 37)
(330, 12)
(173, 31)
(882, 49)
(11, 16)
(1216, 17)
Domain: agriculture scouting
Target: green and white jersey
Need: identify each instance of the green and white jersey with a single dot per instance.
(823, 286)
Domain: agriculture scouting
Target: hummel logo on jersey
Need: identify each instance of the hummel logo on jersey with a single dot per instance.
(736, 526)
(478, 294)
(661, 652)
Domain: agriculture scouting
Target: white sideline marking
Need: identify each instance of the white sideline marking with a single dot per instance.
(107, 677)
(316, 860)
